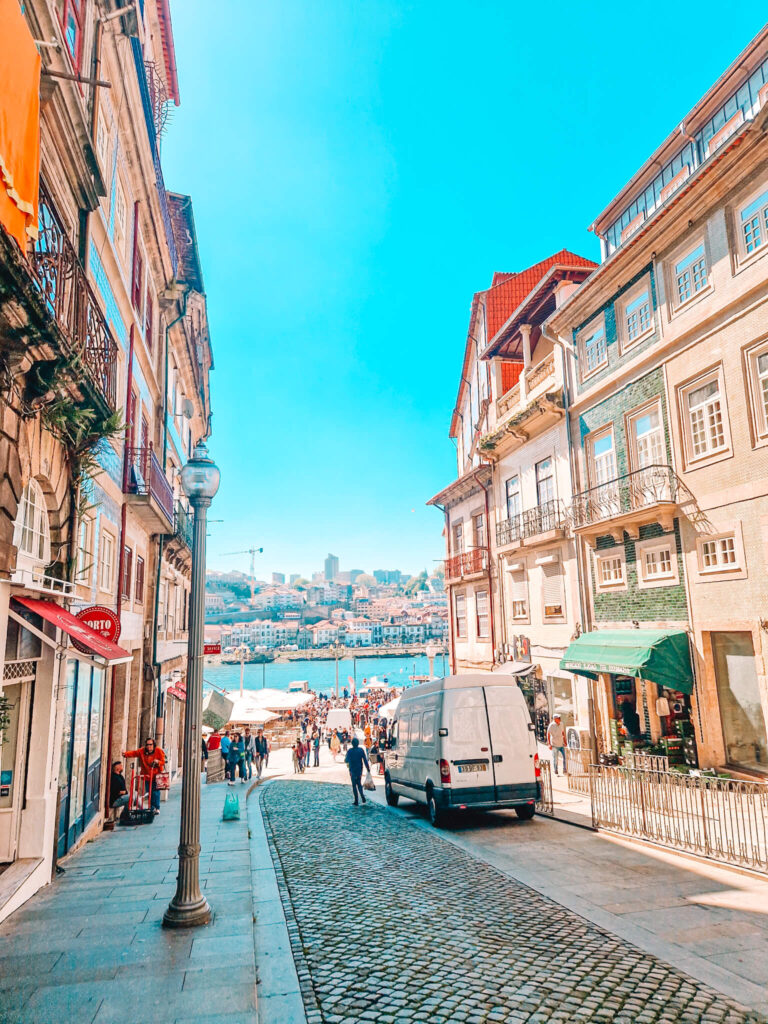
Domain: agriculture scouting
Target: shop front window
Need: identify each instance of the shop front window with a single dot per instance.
(741, 711)
(80, 765)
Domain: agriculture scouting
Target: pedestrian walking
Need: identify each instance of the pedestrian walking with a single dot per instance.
(556, 743)
(335, 746)
(236, 759)
(151, 762)
(260, 752)
(226, 743)
(249, 742)
(295, 756)
(355, 759)
(316, 749)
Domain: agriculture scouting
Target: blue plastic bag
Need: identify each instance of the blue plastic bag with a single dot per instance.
(231, 808)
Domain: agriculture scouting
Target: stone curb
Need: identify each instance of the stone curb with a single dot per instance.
(284, 987)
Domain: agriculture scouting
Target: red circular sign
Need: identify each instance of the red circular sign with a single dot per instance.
(102, 620)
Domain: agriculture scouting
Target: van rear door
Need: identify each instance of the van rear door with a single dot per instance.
(467, 747)
(511, 740)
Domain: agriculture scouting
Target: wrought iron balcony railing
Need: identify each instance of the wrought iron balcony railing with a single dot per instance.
(70, 299)
(182, 524)
(466, 564)
(144, 475)
(632, 492)
(550, 515)
(509, 530)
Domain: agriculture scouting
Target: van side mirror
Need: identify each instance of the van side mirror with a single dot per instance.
(442, 732)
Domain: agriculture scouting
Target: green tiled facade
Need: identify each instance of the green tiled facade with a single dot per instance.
(655, 604)
(615, 357)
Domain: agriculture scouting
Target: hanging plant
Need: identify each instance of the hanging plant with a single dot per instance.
(5, 716)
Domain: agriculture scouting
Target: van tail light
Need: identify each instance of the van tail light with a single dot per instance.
(445, 771)
(536, 766)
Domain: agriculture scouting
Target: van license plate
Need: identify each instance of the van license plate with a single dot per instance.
(472, 768)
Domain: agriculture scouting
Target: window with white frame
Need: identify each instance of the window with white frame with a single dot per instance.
(635, 314)
(120, 218)
(460, 614)
(84, 550)
(657, 562)
(593, 349)
(718, 554)
(106, 561)
(483, 617)
(458, 538)
(552, 587)
(512, 487)
(518, 591)
(758, 369)
(691, 275)
(753, 223)
(31, 532)
(610, 571)
(545, 481)
(102, 140)
(646, 431)
(704, 417)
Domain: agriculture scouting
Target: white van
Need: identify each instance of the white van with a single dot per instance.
(338, 718)
(464, 742)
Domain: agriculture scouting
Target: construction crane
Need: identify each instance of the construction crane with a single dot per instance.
(252, 552)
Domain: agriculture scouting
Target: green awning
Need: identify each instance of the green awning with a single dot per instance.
(662, 656)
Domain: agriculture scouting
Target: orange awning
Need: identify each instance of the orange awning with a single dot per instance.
(91, 641)
(19, 124)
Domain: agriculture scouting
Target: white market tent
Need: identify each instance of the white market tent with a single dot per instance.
(244, 710)
(388, 710)
(270, 700)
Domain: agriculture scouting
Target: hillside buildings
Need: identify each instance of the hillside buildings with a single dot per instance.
(607, 528)
(105, 357)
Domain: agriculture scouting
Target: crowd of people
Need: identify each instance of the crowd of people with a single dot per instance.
(245, 753)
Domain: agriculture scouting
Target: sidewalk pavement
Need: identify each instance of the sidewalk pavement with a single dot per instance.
(90, 947)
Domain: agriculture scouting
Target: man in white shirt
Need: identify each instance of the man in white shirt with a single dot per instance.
(556, 742)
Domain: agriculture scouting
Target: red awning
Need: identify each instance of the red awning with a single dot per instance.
(94, 642)
(178, 690)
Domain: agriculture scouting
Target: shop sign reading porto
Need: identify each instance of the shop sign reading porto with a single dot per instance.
(101, 620)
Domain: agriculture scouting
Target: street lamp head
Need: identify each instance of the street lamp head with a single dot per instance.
(200, 476)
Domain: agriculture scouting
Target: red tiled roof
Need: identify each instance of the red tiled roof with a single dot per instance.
(507, 291)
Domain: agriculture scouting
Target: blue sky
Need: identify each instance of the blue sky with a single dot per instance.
(359, 168)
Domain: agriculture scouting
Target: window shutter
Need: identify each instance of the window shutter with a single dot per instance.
(519, 586)
(552, 584)
(149, 322)
(137, 274)
(127, 559)
(139, 579)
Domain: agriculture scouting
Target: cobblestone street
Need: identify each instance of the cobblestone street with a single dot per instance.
(392, 924)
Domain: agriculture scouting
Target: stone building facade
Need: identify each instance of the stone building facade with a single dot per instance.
(104, 362)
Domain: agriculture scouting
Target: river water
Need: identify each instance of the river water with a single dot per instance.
(322, 674)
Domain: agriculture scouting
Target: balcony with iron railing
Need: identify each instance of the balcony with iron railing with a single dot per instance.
(150, 493)
(529, 407)
(71, 301)
(624, 504)
(183, 520)
(539, 525)
(467, 564)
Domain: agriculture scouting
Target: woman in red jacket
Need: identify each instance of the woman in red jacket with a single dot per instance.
(152, 761)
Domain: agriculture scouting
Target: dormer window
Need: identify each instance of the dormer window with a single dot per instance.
(31, 534)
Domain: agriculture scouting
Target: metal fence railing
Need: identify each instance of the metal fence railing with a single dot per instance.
(545, 803)
(725, 819)
(577, 764)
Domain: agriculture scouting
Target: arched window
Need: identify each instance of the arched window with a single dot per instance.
(31, 534)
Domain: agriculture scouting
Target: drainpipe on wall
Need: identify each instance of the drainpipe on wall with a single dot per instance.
(584, 609)
(490, 567)
(161, 542)
(451, 644)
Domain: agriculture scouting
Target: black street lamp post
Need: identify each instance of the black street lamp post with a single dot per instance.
(189, 908)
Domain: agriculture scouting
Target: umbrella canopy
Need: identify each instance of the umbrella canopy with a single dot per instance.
(388, 710)
(272, 700)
